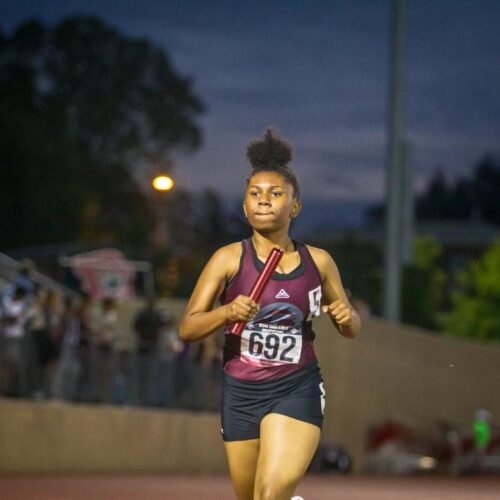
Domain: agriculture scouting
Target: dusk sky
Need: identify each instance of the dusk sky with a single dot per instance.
(317, 71)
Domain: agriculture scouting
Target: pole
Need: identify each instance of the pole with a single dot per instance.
(395, 129)
(407, 204)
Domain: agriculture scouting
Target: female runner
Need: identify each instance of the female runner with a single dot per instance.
(273, 395)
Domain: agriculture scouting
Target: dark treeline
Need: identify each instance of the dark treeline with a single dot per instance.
(464, 198)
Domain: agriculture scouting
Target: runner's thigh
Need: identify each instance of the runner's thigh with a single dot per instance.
(287, 446)
(242, 460)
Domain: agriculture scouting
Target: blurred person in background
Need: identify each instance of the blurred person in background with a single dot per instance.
(23, 279)
(169, 348)
(68, 339)
(38, 333)
(147, 324)
(122, 365)
(85, 350)
(14, 317)
(482, 437)
(106, 332)
(190, 377)
(199, 375)
(48, 344)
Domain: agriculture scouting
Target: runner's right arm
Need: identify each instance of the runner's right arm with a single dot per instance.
(200, 318)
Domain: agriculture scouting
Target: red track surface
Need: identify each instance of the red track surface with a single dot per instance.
(106, 487)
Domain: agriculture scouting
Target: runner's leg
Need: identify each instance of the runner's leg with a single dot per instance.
(242, 459)
(287, 446)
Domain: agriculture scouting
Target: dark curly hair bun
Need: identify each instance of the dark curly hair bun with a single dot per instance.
(269, 152)
(272, 154)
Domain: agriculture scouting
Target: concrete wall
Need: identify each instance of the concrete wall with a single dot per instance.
(49, 437)
(388, 370)
(392, 370)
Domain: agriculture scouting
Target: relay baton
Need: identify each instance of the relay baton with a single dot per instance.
(260, 283)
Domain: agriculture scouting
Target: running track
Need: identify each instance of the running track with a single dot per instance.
(156, 487)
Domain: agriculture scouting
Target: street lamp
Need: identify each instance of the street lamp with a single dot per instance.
(161, 183)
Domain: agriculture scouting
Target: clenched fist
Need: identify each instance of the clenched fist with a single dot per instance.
(339, 311)
(242, 308)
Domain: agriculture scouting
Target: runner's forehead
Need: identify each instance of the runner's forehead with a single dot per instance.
(267, 180)
(266, 185)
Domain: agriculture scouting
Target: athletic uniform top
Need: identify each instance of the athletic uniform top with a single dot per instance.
(278, 341)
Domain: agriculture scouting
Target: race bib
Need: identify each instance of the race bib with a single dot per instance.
(270, 345)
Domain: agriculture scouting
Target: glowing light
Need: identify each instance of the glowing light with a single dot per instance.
(427, 462)
(163, 183)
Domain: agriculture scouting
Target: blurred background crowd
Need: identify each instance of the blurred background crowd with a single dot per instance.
(58, 345)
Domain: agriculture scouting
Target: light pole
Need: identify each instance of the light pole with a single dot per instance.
(395, 158)
(161, 183)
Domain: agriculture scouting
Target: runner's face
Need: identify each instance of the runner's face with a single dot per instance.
(269, 201)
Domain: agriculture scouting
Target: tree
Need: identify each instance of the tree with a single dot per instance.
(463, 198)
(120, 96)
(39, 195)
(83, 109)
(476, 307)
(423, 285)
(201, 224)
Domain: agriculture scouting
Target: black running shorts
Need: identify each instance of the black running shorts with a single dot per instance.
(300, 395)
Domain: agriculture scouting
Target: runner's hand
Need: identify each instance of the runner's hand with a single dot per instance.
(242, 308)
(339, 311)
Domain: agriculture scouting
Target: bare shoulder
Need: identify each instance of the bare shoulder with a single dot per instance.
(231, 251)
(226, 259)
(321, 257)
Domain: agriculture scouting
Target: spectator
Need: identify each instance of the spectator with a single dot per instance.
(23, 279)
(14, 318)
(105, 334)
(191, 372)
(147, 326)
(122, 367)
(38, 335)
(169, 347)
(48, 348)
(85, 351)
(68, 368)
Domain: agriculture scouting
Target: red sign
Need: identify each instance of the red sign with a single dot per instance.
(104, 273)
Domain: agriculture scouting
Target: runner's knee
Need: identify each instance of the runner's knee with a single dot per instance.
(272, 489)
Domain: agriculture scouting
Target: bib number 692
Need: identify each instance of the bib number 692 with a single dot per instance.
(270, 346)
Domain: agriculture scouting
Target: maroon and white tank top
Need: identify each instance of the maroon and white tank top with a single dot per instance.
(278, 341)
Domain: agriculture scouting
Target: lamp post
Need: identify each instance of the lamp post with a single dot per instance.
(395, 158)
(161, 183)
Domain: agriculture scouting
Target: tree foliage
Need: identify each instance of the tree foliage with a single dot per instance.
(476, 306)
(201, 223)
(464, 198)
(423, 285)
(83, 107)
